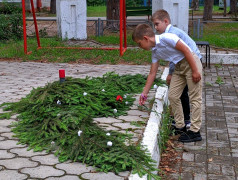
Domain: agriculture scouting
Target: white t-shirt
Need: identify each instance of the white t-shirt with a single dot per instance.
(165, 48)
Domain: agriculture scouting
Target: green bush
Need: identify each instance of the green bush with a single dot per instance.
(10, 21)
(134, 3)
(103, 2)
(96, 2)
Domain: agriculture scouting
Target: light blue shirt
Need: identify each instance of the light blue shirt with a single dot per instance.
(185, 37)
(165, 48)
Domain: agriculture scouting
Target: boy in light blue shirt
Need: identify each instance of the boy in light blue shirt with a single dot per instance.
(162, 24)
(188, 70)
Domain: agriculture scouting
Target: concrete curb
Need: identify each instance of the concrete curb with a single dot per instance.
(224, 58)
(150, 137)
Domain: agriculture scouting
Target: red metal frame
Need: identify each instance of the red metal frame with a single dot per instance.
(122, 48)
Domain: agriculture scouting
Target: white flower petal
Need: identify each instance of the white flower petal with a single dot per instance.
(109, 143)
(79, 132)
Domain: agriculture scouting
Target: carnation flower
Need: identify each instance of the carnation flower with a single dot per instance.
(119, 98)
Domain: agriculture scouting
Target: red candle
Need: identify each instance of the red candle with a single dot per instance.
(61, 73)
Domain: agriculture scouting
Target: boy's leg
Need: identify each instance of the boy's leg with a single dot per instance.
(195, 96)
(177, 84)
(185, 103)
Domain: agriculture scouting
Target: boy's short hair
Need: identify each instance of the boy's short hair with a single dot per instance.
(142, 30)
(160, 14)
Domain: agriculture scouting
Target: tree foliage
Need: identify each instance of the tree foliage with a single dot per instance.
(50, 118)
(10, 21)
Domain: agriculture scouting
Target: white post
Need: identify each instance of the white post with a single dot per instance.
(177, 9)
(72, 19)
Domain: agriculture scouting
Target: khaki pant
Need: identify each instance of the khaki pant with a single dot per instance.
(183, 75)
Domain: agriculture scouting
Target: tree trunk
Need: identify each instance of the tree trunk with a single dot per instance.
(224, 13)
(53, 6)
(195, 5)
(113, 13)
(233, 8)
(207, 13)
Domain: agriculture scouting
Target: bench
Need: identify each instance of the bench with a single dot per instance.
(139, 11)
(205, 43)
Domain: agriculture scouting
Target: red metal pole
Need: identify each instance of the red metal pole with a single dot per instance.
(121, 25)
(124, 20)
(24, 26)
(35, 23)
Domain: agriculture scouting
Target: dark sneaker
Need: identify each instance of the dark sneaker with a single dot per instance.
(179, 130)
(190, 136)
(173, 123)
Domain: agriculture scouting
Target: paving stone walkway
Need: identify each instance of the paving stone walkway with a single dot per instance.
(216, 156)
(17, 80)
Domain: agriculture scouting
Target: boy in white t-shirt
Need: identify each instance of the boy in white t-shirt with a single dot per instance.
(188, 70)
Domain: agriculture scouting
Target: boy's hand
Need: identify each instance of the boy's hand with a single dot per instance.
(168, 79)
(142, 99)
(196, 77)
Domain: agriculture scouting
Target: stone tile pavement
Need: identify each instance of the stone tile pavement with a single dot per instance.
(216, 156)
(17, 80)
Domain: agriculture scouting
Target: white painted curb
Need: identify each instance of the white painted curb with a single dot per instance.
(150, 137)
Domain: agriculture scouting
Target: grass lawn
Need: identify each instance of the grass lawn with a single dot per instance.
(100, 11)
(96, 11)
(14, 50)
(223, 35)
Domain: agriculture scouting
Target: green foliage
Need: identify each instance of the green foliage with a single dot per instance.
(47, 125)
(165, 129)
(10, 21)
(9, 8)
(96, 2)
(134, 3)
(219, 80)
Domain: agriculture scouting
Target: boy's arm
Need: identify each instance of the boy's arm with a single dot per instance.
(149, 82)
(189, 57)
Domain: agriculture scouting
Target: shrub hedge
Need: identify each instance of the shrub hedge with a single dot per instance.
(10, 21)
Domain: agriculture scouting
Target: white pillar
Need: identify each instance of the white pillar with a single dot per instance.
(72, 19)
(177, 9)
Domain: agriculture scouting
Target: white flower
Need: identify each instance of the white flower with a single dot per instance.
(103, 90)
(108, 134)
(109, 143)
(125, 96)
(85, 94)
(58, 115)
(58, 102)
(126, 102)
(155, 86)
(79, 132)
(52, 143)
(115, 110)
